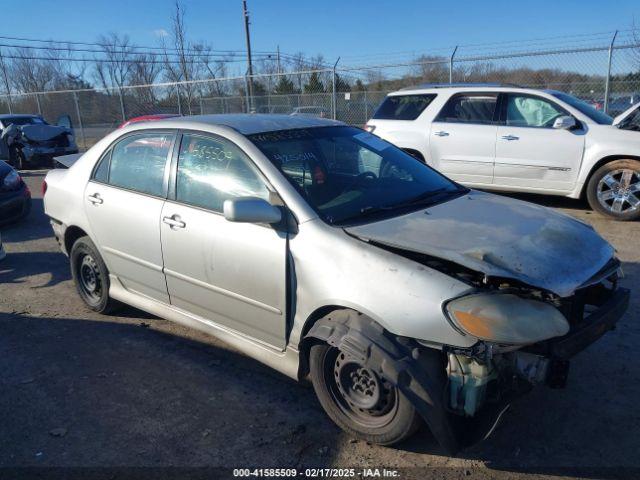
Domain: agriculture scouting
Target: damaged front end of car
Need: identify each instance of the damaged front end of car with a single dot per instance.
(526, 338)
(37, 144)
(542, 287)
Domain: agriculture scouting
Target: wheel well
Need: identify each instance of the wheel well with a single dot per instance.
(72, 234)
(602, 162)
(305, 343)
(414, 153)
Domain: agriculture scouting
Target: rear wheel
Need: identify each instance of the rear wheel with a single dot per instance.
(614, 190)
(91, 276)
(359, 400)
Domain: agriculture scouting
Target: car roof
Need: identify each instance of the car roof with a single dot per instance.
(466, 87)
(249, 123)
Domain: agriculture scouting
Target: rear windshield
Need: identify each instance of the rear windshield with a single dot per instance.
(403, 107)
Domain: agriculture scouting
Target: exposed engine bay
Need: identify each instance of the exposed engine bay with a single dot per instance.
(488, 373)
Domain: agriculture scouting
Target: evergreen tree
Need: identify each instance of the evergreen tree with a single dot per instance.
(342, 85)
(284, 86)
(359, 86)
(314, 85)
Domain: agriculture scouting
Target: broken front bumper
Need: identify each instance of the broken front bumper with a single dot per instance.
(594, 326)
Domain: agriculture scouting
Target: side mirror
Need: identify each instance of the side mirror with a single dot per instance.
(251, 210)
(65, 121)
(565, 123)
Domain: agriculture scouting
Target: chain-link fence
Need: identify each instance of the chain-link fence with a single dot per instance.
(607, 76)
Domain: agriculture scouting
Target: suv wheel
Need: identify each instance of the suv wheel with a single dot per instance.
(614, 190)
(358, 400)
(91, 276)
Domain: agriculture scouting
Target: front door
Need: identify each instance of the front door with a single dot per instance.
(463, 138)
(233, 274)
(123, 201)
(530, 153)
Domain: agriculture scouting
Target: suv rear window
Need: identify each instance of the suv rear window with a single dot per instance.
(403, 107)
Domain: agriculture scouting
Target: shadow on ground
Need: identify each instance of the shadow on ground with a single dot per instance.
(34, 226)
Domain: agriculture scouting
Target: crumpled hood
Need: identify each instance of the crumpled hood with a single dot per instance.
(499, 237)
(41, 133)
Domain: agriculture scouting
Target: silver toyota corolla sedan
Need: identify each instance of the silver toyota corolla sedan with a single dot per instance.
(327, 253)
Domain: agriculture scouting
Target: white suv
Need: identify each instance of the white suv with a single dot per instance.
(517, 139)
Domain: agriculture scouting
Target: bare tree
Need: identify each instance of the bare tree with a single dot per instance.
(145, 70)
(31, 74)
(179, 66)
(115, 66)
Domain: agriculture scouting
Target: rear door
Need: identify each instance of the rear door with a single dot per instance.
(463, 138)
(530, 153)
(123, 201)
(233, 274)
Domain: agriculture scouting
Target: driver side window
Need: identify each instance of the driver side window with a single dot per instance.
(527, 111)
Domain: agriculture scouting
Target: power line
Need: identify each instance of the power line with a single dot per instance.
(103, 44)
(202, 53)
(123, 60)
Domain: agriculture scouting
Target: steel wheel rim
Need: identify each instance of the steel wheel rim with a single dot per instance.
(360, 394)
(89, 278)
(619, 191)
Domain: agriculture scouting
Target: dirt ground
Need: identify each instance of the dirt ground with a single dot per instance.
(78, 389)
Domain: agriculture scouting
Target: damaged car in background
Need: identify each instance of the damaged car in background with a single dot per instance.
(28, 140)
(327, 253)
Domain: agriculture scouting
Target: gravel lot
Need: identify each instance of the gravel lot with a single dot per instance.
(81, 389)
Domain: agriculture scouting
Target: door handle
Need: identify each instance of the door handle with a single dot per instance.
(174, 221)
(441, 133)
(95, 199)
(510, 137)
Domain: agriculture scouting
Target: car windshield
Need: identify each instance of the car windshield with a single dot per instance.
(594, 114)
(350, 176)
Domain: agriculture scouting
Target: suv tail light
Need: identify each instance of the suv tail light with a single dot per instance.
(44, 187)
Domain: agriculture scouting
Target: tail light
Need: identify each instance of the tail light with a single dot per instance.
(44, 187)
(370, 128)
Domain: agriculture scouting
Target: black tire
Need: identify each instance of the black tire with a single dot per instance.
(616, 203)
(17, 158)
(392, 419)
(91, 276)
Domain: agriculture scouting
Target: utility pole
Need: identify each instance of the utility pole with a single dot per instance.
(278, 58)
(6, 81)
(250, 69)
(608, 79)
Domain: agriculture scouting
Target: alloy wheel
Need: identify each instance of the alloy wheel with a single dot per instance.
(619, 191)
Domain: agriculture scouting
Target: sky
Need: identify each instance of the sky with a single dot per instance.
(359, 32)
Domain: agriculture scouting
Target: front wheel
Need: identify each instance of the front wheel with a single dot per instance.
(17, 158)
(614, 190)
(358, 400)
(91, 276)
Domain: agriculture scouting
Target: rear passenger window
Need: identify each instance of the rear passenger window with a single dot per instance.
(403, 107)
(211, 171)
(474, 108)
(138, 163)
(101, 174)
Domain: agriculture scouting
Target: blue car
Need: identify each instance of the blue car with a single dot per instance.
(15, 197)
